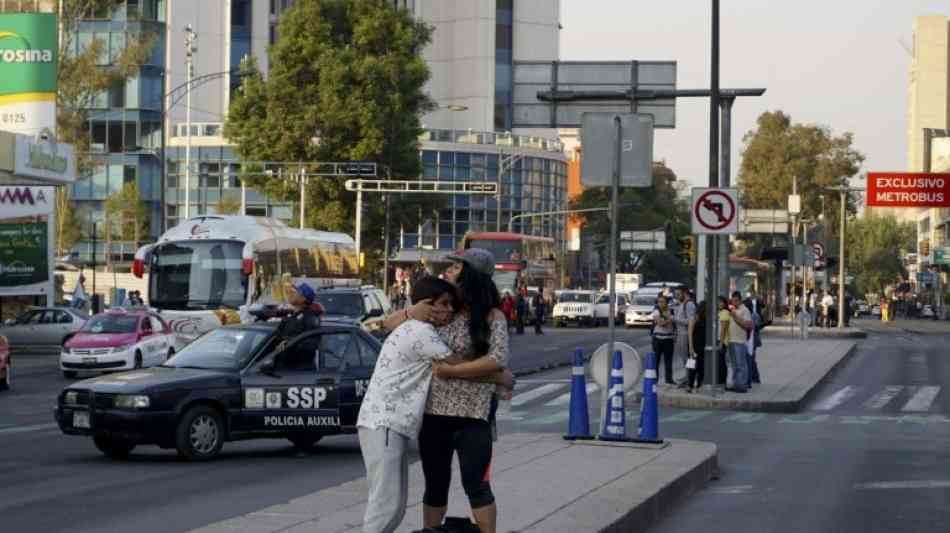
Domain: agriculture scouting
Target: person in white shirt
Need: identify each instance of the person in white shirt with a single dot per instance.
(394, 404)
(827, 302)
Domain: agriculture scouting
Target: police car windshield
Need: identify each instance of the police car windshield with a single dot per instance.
(341, 303)
(111, 324)
(226, 348)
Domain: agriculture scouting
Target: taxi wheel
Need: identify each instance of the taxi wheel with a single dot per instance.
(305, 443)
(69, 374)
(114, 448)
(200, 434)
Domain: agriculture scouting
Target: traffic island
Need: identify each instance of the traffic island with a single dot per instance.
(542, 483)
(790, 368)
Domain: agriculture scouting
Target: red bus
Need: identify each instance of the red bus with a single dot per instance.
(518, 258)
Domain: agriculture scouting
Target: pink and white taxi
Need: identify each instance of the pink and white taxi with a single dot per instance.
(118, 340)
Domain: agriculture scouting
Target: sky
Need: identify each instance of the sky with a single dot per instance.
(837, 63)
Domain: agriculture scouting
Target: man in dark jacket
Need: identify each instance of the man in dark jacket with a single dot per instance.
(521, 308)
(539, 311)
(303, 315)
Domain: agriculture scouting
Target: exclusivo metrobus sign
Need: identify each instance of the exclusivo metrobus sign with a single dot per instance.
(908, 189)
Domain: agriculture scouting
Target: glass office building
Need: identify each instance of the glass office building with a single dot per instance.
(125, 121)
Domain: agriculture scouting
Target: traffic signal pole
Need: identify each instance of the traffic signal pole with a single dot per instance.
(711, 370)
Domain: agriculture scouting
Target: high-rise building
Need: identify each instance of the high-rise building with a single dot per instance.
(469, 137)
(928, 124)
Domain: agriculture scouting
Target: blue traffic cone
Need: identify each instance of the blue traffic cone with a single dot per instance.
(649, 424)
(578, 426)
(615, 419)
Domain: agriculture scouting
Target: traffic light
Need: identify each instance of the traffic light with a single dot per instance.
(687, 250)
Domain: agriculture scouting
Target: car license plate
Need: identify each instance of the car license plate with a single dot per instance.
(88, 360)
(81, 419)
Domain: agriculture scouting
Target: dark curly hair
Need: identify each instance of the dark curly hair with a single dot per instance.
(480, 296)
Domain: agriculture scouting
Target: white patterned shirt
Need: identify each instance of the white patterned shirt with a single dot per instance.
(396, 396)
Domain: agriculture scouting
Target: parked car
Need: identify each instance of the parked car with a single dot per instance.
(927, 312)
(40, 329)
(640, 310)
(6, 366)
(366, 305)
(233, 383)
(574, 307)
(118, 339)
(861, 308)
(602, 308)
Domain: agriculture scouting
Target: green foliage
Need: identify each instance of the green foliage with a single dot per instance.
(641, 210)
(81, 77)
(872, 251)
(126, 217)
(68, 223)
(229, 204)
(345, 84)
(778, 150)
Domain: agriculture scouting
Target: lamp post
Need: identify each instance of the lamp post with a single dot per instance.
(843, 190)
(190, 49)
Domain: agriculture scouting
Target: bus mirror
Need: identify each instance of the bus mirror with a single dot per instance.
(138, 268)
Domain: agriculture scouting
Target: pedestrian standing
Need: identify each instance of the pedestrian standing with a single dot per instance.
(723, 369)
(813, 308)
(521, 309)
(682, 314)
(697, 341)
(755, 336)
(827, 305)
(539, 310)
(80, 298)
(508, 308)
(740, 323)
(664, 332)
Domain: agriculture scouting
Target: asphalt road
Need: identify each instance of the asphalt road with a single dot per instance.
(867, 454)
(51, 482)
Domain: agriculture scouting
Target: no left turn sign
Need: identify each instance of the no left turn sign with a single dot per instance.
(714, 211)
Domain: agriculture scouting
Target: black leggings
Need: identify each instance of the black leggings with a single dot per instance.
(441, 436)
(664, 356)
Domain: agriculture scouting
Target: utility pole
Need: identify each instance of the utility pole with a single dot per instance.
(843, 190)
(725, 179)
(190, 49)
(712, 369)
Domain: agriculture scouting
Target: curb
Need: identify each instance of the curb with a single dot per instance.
(663, 503)
(739, 404)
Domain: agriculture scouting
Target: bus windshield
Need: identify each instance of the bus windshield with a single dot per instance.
(197, 275)
(505, 251)
(505, 280)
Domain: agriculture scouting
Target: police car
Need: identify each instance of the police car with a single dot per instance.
(233, 383)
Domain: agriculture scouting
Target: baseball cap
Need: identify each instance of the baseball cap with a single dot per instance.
(479, 259)
(306, 291)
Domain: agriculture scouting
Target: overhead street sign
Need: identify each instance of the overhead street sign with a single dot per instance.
(714, 211)
(427, 186)
(908, 189)
(642, 240)
(599, 137)
(771, 221)
(641, 77)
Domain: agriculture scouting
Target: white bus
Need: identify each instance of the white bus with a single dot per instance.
(206, 271)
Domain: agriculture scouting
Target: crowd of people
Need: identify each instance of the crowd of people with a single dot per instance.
(679, 340)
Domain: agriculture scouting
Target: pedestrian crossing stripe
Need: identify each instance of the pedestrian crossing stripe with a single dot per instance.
(922, 399)
(918, 399)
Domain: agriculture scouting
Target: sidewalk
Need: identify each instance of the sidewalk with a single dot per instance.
(790, 369)
(783, 327)
(542, 484)
(908, 325)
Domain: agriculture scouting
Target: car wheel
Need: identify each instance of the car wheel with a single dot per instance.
(69, 374)
(137, 364)
(114, 448)
(305, 443)
(200, 434)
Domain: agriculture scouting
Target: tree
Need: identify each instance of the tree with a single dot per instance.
(83, 75)
(68, 223)
(777, 151)
(872, 247)
(126, 217)
(229, 205)
(345, 84)
(657, 207)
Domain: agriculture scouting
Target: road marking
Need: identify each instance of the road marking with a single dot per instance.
(735, 489)
(686, 416)
(537, 381)
(836, 399)
(803, 419)
(745, 418)
(509, 415)
(565, 398)
(25, 429)
(884, 397)
(922, 399)
(533, 394)
(911, 484)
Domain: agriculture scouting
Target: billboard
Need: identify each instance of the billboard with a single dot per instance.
(908, 189)
(28, 66)
(26, 244)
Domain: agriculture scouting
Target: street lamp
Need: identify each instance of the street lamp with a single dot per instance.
(843, 190)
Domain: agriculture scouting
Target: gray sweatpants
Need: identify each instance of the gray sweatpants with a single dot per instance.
(386, 456)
